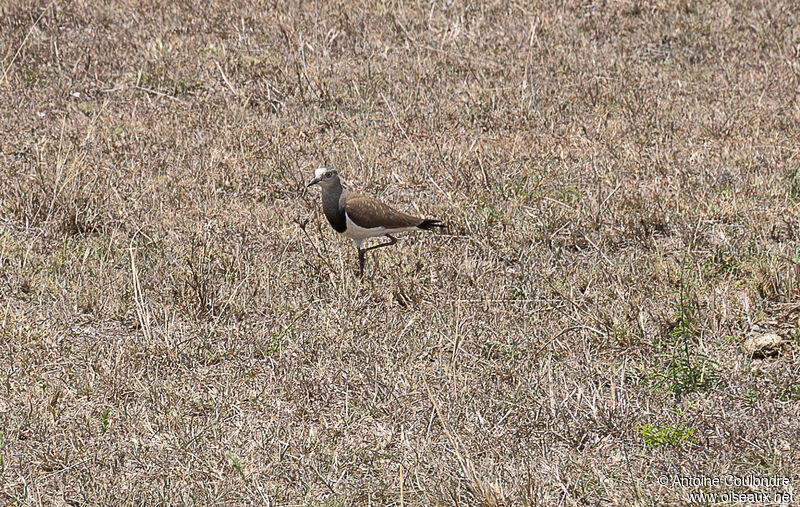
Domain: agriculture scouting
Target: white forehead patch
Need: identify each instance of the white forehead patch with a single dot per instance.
(320, 172)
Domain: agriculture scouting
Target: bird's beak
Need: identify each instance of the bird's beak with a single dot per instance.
(313, 182)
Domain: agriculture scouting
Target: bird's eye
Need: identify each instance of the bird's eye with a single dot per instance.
(328, 174)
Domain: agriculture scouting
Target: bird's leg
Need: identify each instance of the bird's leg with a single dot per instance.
(361, 262)
(363, 251)
(392, 241)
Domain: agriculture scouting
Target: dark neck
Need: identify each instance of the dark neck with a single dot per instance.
(334, 211)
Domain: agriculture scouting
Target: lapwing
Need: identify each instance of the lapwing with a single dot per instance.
(360, 217)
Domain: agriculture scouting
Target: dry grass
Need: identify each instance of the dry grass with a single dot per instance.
(180, 325)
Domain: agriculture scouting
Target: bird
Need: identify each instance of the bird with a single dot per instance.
(360, 217)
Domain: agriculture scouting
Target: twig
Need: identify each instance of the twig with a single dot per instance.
(156, 92)
(449, 435)
(608, 197)
(141, 309)
(325, 482)
(479, 485)
(397, 122)
(94, 120)
(70, 467)
(319, 254)
(528, 77)
(225, 78)
(508, 413)
(540, 300)
(611, 264)
(574, 305)
(19, 49)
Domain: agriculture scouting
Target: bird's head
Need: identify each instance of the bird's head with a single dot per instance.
(325, 176)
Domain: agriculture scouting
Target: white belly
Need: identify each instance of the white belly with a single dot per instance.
(359, 234)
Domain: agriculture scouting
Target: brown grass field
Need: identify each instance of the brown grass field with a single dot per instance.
(181, 326)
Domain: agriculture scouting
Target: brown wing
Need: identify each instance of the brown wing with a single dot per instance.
(368, 213)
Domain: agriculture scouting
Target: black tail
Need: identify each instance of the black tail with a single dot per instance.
(429, 224)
